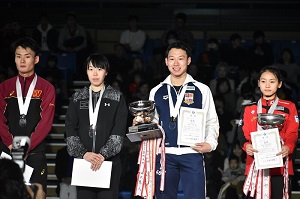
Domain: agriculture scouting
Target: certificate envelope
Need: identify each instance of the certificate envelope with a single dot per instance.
(191, 126)
(267, 142)
(83, 175)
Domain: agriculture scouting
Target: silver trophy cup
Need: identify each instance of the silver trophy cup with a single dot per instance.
(269, 120)
(143, 111)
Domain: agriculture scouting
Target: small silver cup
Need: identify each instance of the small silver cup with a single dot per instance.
(270, 120)
(143, 111)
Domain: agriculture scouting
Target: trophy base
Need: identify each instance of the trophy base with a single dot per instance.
(143, 132)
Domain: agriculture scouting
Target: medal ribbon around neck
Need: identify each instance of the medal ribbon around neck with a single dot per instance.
(272, 108)
(23, 106)
(93, 114)
(174, 111)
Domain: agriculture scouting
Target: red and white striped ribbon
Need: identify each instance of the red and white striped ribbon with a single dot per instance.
(286, 179)
(145, 183)
(258, 182)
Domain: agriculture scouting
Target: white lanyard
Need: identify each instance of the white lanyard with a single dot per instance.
(23, 106)
(174, 111)
(93, 114)
(272, 108)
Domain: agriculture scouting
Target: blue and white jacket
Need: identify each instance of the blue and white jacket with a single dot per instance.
(197, 95)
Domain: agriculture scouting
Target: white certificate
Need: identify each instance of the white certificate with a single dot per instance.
(191, 126)
(267, 142)
(83, 175)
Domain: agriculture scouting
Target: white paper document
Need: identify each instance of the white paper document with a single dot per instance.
(83, 175)
(267, 142)
(191, 126)
(27, 173)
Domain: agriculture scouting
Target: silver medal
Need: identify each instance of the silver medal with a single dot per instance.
(22, 121)
(172, 123)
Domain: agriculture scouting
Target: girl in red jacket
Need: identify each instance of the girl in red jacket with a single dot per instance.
(274, 183)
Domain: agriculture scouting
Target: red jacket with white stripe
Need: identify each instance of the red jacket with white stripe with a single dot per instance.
(288, 133)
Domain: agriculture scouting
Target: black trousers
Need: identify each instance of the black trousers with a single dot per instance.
(39, 163)
(99, 193)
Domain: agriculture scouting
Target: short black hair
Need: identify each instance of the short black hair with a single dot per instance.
(213, 40)
(235, 36)
(52, 57)
(258, 33)
(179, 45)
(43, 15)
(272, 69)
(233, 157)
(182, 16)
(221, 80)
(71, 14)
(28, 42)
(11, 180)
(98, 61)
(290, 52)
(133, 17)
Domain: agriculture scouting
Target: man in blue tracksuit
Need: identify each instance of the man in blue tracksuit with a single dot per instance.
(178, 90)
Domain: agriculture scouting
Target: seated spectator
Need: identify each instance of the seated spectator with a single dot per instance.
(133, 38)
(235, 176)
(157, 68)
(287, 63)
(193, 70)
(182, 31)
(288, 90)
(45, 35)
(226, 131)
(118, 62)
(170, 37)
(223, 88)
(234, 54)
(51, 68)
(238, 152)
(142, 92)
(245, 97)
(212, 56)
(137, 66)
(73, 39)
(54, 75)
(251, 80)
(260, 52)
(136, 79)
(9, 33)
(222, 71)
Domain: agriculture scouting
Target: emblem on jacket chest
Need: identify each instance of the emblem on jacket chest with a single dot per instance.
(189, 98)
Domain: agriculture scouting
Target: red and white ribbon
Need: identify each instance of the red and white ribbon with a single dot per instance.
(145, 183)
(258, 182)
